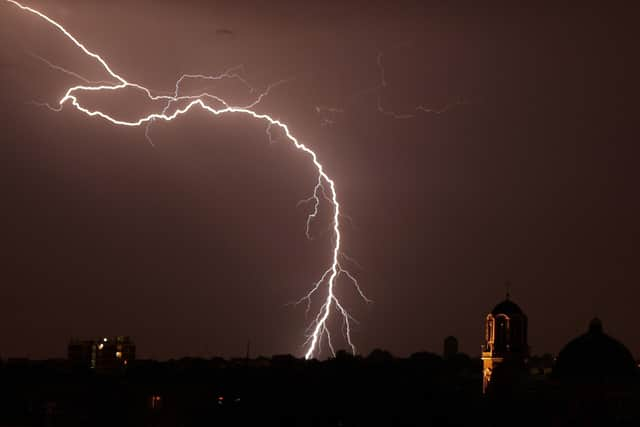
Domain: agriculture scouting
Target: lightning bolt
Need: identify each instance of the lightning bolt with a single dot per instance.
(65, 71)
(419, 108)
(325, 188)
(328, 114)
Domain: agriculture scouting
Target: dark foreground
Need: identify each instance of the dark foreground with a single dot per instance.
(423, 390)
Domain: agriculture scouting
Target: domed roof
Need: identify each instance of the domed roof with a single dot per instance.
(507, 307)
(595, 356)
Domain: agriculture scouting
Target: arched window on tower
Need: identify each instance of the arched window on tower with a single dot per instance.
(489, 334)
(501, 340)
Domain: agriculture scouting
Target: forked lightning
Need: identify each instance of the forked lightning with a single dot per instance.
(325, 187)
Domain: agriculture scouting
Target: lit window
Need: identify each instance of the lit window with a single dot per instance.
(156, 402)
(101, 346)
(118, 355)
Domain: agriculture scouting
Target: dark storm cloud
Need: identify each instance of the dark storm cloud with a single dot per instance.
(195, 245)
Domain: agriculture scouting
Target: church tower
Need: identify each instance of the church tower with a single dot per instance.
(505, 340)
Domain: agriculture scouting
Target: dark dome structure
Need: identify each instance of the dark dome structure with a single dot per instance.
(595, 357)
(507, 307)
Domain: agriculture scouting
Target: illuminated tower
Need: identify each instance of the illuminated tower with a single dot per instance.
(505, 347)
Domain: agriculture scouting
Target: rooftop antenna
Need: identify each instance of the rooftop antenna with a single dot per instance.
(507, 285)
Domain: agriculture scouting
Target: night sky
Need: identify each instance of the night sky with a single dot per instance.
(195, 245)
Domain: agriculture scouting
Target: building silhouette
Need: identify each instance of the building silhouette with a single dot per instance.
(595, 357)
(450, 347)
(506, 347)
(597, 380)
(594, 382)
(102, 354)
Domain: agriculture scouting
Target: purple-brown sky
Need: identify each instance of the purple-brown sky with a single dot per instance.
(195, 245)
